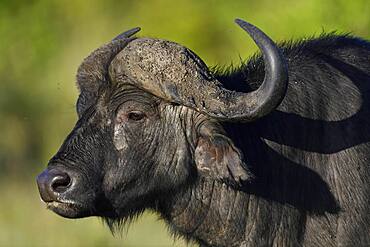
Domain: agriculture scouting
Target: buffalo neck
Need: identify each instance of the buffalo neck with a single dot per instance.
(214, 214)
(261, 213)
(208, 209)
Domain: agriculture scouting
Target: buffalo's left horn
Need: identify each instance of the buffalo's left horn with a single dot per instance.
(174, 73)
(236, 106)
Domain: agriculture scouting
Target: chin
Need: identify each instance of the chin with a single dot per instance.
(69, 209)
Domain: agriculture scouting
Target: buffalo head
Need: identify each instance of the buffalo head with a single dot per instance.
(150, 124)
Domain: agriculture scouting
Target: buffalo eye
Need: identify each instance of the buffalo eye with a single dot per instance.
(136, 115)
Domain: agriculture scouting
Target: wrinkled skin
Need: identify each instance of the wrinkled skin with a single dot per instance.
(303, 170)
(109, 145)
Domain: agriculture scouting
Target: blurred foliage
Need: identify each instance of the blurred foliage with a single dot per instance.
(42, 44)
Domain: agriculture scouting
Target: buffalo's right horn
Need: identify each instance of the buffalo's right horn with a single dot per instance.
(94, 69)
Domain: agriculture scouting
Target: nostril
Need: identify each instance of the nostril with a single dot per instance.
(60, 183)
(53, 182)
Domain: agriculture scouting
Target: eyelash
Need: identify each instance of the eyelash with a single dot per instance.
(135, 115)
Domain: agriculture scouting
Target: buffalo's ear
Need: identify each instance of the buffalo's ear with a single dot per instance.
(217, 157)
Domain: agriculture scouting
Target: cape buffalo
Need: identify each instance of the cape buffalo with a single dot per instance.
(273, 153)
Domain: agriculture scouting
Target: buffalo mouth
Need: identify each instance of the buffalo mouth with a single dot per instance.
(58, 189)
(68, 209)
(64, 193)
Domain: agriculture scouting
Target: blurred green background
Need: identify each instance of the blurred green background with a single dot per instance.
(43, 42)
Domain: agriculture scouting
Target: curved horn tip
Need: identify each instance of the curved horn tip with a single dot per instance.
(245, 25)
(127, 33)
